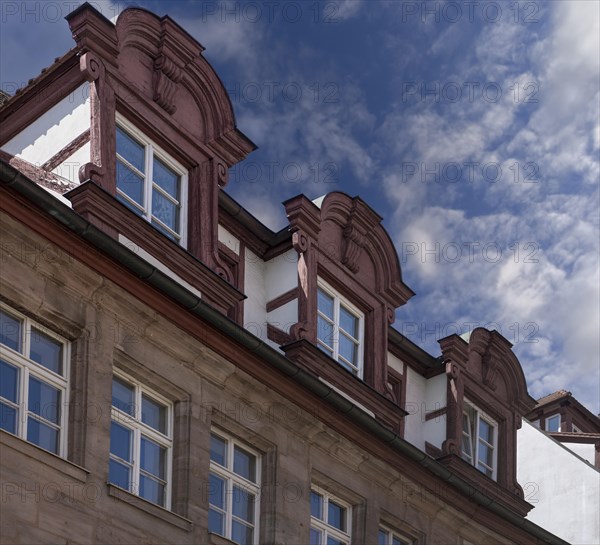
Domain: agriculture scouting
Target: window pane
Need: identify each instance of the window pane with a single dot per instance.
(10, 331)
(46, 351)
(122, 396)
(325, 304)
(336, 516)
(243, 504)
(328, 351)
(164, 231)
(382, 536)
(166, 178)
(8, 418)
(216, 491)
(486, 431)
(348, 349)
(346, 366)
(244, 464)
(42, 435)
(334, 541)
(130, 183)
(396, 541)
(154, 414)
(165, 210)
(218, 448)
(485, 470)
(120, 441)
(315, 537)
(486, 454)
(216, 522)
(152, 490)
(130, 150)
(325, 331)
(242, 534)
(153, 458)
(466, 424)
(316, 505)
(119, 474)
(9, 380)
(553, 423)
(348, 322)
(44, 400)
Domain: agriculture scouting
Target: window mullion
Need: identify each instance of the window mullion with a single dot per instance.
(336, 327)
(476, 438)
(26, 337)
(137, 448)
(25, 402)
(229, 515)
(148, 181)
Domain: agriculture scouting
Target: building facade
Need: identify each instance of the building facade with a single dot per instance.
(175, 372)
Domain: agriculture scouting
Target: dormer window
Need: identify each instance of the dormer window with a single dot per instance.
(151, 183)
(553, 423)
(340, 328)
(479, 440)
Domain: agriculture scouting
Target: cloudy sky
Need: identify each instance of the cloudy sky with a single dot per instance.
(471, 127)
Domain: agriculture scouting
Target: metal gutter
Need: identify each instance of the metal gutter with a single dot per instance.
(65, 215)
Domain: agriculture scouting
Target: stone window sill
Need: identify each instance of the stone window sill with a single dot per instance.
(149, 507)
(57, 463)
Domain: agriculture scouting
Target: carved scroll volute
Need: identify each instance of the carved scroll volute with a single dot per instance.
(93, 68)
(390, 315)
(165, 80)
(222, 174)
(480, 356)
(354, 242)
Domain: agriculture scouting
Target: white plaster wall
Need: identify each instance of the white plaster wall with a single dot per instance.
(69, 168)
(284, 316)
(564, 489)
(255, 314)
(228, 239)
(281, 274)
(416, 387)
(586, 451)
(53, 130)
(395, 363)
(434, 430)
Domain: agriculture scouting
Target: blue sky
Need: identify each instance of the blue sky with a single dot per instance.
(472, 128)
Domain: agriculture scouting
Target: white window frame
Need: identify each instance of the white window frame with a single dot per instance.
(322, 524)
(337, 301)
(232, 478)
(552, 417)
(475, 440)
(152, 150)
(134, 423)
(391, 535)
(29, 368)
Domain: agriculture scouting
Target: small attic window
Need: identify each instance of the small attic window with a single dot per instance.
(340, 329)
(151, 183)
(553, 422)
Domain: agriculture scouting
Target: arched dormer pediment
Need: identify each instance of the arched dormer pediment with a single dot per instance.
(152, 90)
(492, 358)
(351, 245)
(352, 232)
(345, 252)
(166, 64)
(146, 61)
(485, 382)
